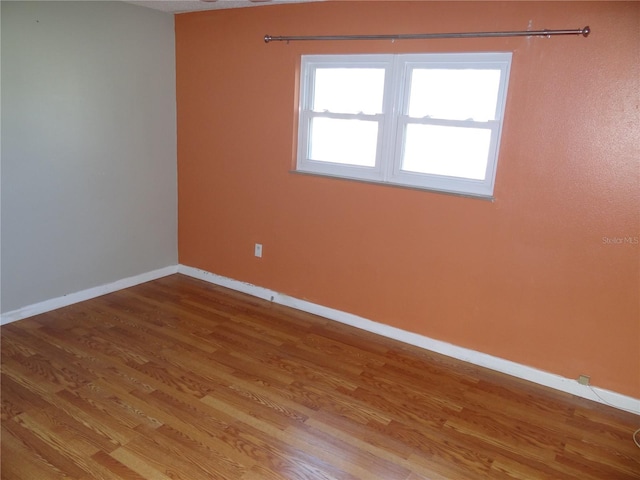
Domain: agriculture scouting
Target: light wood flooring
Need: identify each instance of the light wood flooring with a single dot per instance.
(179, 379)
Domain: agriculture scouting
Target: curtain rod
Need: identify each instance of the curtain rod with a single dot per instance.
(427, 36)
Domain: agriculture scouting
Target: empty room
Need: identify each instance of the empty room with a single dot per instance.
(307, 239)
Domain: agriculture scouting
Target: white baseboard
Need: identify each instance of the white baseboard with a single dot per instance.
(540, 377)
(65, 300)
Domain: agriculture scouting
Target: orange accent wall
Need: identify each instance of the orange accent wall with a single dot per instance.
(546, 275)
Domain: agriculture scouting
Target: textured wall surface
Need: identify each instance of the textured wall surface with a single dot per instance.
(88, 147)
(547, 275)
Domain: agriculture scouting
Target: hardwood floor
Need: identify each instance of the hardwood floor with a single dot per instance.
(179, 379)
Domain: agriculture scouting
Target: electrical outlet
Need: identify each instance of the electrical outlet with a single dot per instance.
(258, 250)
(584, 379)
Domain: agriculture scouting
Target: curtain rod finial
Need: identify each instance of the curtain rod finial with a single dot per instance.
(586, 31)
(267, 38)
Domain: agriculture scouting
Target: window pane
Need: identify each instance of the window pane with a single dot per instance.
(451, 151)
(455, 94)
(351, 142)
(348, 90)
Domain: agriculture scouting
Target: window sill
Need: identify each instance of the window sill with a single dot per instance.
(395, 185)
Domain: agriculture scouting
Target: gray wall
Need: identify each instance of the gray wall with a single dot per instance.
(89, 190)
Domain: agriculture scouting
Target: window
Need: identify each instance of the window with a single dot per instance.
(430, 121)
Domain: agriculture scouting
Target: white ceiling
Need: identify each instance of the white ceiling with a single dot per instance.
(180, 6)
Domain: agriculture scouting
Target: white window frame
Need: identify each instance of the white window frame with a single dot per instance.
(394, 118)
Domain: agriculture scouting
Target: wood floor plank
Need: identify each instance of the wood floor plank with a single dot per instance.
(506, 434)
(373, 438)
(17, 399)
(364, 462)
(206, 454)
(45, 444)
(104, 421)
(180, 379)
(182, 457)
(286, 457)
(118, 469)
(140, 466)
(24, 462)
